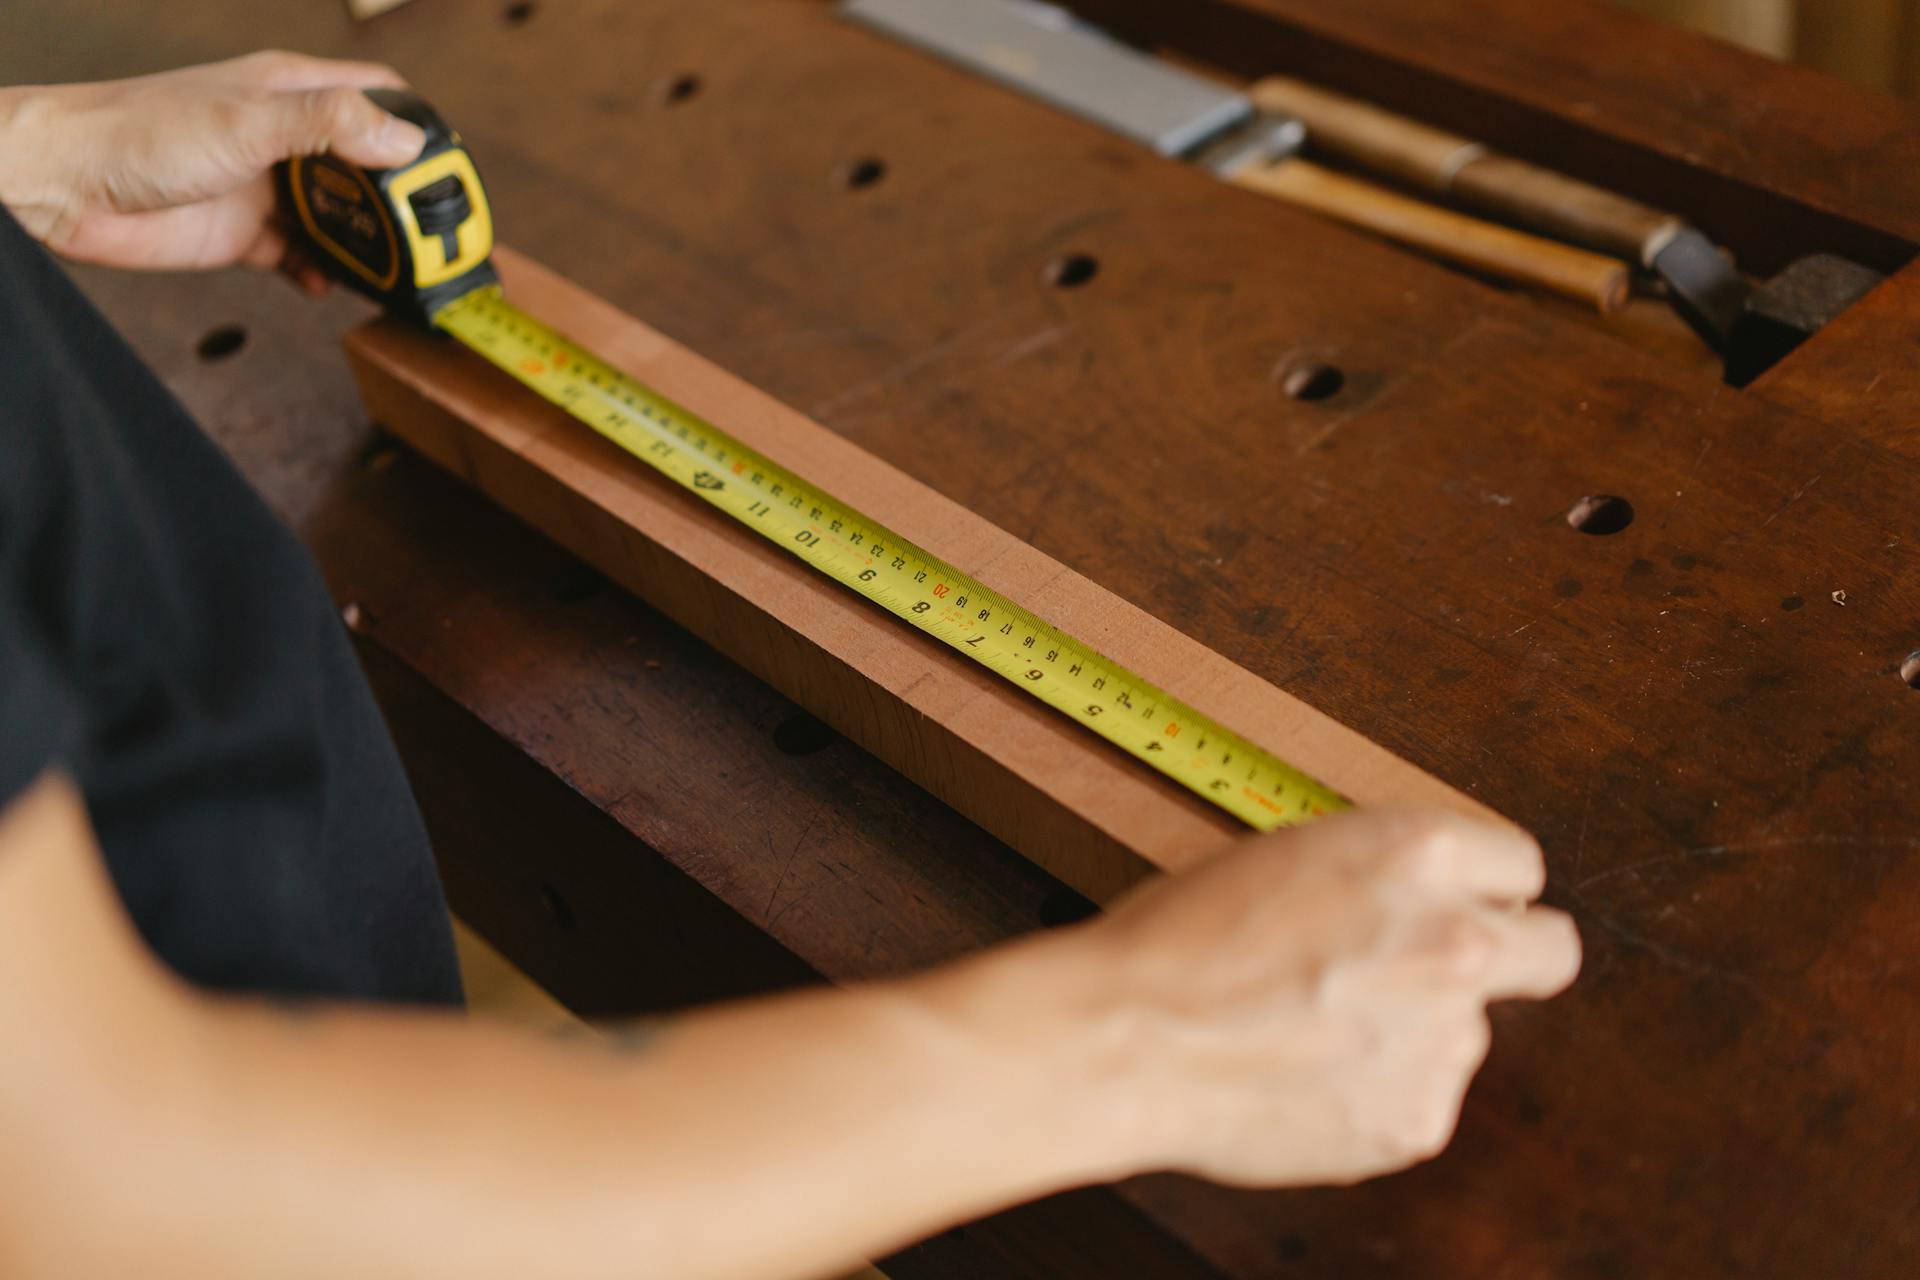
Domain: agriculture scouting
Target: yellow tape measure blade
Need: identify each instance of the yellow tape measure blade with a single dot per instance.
(1133, 714)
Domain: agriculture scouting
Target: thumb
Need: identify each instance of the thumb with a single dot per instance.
(342, 120)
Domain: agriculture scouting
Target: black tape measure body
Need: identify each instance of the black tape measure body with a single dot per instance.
(415, 237)
(418, 237)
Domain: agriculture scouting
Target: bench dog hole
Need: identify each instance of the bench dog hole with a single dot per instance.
(222, 342)
(1910, 670)
(1601, 514)
(1072, 270)
(1310, 380)
(863, 173)
(679, 89)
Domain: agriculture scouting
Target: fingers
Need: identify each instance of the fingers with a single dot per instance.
(341, 119)
(1481, 954)
(1538, 955)
(1450, 852)
(286, 72)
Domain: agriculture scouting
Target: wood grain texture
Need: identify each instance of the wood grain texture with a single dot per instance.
(1501, 252)
(1078, 807)
(1718, 758)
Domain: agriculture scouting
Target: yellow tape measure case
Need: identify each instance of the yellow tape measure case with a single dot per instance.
(414, 237)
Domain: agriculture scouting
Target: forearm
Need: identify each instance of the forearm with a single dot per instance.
(779, 1138)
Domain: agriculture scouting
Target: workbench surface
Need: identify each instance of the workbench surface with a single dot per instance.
(1702, 715)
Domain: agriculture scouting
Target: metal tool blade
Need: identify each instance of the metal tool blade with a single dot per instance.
(1046, 52)
(1707, 290)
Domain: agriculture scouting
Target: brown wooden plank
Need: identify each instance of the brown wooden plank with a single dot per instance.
(1082, 809)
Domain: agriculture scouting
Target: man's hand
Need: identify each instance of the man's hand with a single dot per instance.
(172, 171)
(1310, 1007)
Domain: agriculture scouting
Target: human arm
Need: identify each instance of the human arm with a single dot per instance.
(173, 171)
(1306, 1008)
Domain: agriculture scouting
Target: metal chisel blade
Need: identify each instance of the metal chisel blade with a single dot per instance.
(1707, 291)
(1045, 52)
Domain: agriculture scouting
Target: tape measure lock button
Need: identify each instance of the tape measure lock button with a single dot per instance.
(440, 207)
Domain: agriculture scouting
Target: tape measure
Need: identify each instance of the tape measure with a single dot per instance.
(418, 239)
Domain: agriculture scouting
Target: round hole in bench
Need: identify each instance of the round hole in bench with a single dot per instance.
(222, 342)
(1312, 380)
(1910, 670)
(863, 173)
(1601, 514)
(518, 13)
(1070, 271)
(679, 89)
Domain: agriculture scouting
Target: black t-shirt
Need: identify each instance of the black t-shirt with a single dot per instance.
(166, 642)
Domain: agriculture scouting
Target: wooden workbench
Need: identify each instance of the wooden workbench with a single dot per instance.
(1701, 715)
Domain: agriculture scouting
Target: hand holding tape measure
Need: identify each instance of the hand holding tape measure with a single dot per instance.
(418, 238)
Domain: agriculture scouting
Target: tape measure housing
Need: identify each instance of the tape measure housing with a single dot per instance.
(415, 237)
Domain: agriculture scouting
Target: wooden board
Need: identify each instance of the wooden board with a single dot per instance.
(1077, 806)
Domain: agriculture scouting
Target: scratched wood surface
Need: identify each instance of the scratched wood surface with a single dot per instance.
(1702, 714)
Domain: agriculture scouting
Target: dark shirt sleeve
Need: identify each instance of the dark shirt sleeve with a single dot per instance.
(38, 726)
(167, 643)
(41, 720)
